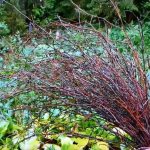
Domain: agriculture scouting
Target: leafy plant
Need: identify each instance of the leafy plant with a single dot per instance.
(4, 29)
(109, 84)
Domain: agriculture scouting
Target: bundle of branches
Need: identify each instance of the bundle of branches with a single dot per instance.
(87, 67)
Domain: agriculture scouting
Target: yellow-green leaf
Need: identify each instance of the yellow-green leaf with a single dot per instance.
(100, 146)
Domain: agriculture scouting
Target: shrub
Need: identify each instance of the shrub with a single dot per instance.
(98, 78)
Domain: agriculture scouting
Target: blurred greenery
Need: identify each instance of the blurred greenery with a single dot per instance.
(46, 11)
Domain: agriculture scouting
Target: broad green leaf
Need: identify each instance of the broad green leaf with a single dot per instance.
(5, 148)
(65, 140)
(100, 146)
(51, 147)
(81, 142)
(3, 128)
(30, 144)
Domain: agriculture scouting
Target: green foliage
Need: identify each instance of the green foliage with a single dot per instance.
(9, 129)
(11, 17)
(134, 33)
(45, 12)
(100, 8)
(147, 5)
(127, 5)
(56, 122)
(4, 30)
